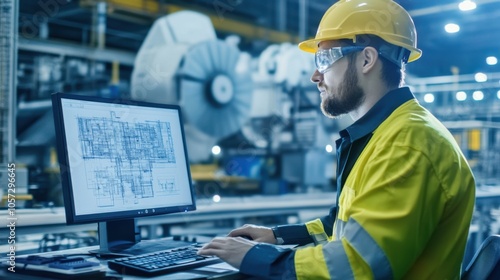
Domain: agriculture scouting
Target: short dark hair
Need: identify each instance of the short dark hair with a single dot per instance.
(392, 74)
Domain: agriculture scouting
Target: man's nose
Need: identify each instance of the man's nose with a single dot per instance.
(316, 77)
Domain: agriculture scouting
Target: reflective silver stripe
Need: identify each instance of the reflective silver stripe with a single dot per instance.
(319, 238)
(336, 261)
(369, 250)
(339, 229)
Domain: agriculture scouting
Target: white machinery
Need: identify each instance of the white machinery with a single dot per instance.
(281, 78)
(182, 62)
(286, 64)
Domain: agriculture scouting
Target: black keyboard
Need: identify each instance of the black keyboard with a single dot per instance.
(162, 262)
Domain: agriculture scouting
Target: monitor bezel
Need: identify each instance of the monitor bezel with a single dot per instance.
(64, 163)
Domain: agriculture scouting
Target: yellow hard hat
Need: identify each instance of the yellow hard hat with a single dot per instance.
(386, 19)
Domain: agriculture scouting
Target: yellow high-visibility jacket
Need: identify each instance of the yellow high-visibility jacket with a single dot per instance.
(404, 211)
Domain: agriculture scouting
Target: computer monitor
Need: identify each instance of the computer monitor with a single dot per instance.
(120, 160)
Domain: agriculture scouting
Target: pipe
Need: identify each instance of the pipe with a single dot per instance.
(281, 15)
(101, 25)
(302, 19)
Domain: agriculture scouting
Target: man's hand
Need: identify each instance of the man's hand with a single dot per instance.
(230, 249)
(255, 233)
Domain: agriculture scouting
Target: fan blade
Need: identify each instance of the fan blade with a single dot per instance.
(192, 99)
(202, 55)
(222, 59)
(193, 70)
(233, 56)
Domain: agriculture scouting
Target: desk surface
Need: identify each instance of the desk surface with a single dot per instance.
(215, 271)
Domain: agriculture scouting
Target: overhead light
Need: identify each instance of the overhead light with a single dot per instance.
(461, 96)
(478, 95)
(429, 97)
(491, 60)
(216, 198)
(329, 148)
(467, 5)
(452, 28)
(498, 94)
(216, 150)
(480, 77)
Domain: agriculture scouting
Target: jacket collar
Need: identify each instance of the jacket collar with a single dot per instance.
(377, 114)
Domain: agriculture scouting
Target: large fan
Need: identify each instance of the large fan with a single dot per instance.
(216, 98)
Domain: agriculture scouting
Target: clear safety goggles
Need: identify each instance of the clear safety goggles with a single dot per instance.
(324, 59)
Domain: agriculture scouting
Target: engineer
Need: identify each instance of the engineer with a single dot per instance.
(406, 192)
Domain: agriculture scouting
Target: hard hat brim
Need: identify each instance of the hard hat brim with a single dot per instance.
(310, 46)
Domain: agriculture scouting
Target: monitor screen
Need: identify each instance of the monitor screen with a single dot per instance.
(120, 159)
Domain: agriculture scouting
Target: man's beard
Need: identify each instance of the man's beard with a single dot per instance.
(348, 98)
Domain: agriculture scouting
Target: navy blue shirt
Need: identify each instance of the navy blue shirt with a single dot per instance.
(272, 262)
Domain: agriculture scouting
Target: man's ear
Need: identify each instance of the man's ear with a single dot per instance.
(370, 57)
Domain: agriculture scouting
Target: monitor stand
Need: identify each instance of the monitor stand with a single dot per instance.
(123, 238)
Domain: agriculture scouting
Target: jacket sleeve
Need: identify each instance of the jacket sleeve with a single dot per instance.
(328, 220)
(300, 234)
(267, 261)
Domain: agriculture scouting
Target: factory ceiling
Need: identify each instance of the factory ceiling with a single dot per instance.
(260, 23)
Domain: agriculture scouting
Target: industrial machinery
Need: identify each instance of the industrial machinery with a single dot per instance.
(182, 62)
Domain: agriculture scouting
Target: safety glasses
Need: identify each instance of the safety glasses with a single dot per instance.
(324, 59)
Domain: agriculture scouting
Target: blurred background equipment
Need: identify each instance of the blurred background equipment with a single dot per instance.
(182, 62)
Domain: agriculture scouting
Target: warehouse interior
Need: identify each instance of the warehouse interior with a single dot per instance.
(267, 158)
